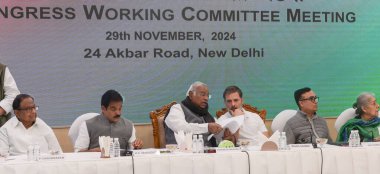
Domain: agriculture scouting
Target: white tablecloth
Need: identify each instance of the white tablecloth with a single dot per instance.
(340, 160)
(90, 163)
(285, 162)
(81, 163)
(346, 160)
(214, 163)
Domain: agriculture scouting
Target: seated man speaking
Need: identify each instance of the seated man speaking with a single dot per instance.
(109, 123)
(252, 125)
(26, 129)
(192, 115)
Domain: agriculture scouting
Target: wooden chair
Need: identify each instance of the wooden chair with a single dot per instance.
(247, 107)
(157, 119)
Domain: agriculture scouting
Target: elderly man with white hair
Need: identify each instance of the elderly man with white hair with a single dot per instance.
(191, 115)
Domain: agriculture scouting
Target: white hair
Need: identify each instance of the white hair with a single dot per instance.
(361, 101)
(194, 86)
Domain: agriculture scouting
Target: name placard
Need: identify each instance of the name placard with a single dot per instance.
(371, 144)
(300, 146)
(146, 152)
(52, 157)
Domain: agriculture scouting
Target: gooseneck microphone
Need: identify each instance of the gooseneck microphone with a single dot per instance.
(311, 134)
(311, 139)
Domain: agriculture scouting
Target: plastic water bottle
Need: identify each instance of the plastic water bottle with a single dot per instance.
(357, 138)
(112, 148)
(30, 152)
(194, 145)
(351, 140)
(354, 140)
(200, 144)
(116, 146)
(36, 152)
(282, 141)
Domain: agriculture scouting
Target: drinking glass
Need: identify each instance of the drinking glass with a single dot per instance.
(321, 142)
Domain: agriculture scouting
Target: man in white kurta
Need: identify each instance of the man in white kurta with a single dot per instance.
(109, 123)
(8, 92)
(26, 129)
(191, 115)
(252, 125)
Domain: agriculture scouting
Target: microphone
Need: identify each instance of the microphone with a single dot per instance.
(311, 137)
(311, 134)
(372, 138)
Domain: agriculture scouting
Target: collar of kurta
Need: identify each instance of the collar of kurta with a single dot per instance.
(15, 122)
(304, 115)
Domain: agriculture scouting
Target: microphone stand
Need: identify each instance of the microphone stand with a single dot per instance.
(311, 134)
(312, 143)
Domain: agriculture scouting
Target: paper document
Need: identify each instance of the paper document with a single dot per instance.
(233, 123)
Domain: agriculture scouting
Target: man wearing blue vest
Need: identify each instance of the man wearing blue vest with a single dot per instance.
(109, 123)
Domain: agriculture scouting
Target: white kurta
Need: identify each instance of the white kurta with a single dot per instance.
(11, 91)
(15, 138)
(176, 122)
(251, 126)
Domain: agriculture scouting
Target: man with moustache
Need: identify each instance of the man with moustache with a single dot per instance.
(26, 129)
(191, 115)
(109, 123)
(306, 125)
(252, 125)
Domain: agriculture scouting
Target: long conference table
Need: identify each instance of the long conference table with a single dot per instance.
(339, 160)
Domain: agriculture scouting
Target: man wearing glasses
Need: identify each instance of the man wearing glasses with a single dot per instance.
(191, 115)
(26, 129)
(306, 126)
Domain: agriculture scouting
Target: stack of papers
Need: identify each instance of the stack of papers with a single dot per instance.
(233, 123)
(104, 143)
(184, 140)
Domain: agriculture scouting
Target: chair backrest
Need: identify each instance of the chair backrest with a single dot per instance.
(74, 128)
(157, 119)
(344, 117)
(247, 107)
(281, 118)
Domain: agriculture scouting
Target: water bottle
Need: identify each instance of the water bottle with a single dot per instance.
(30, 152)
(36, 152)
(112, 148)
(351, 142)
(354, 140)
(282, 141)
(194, 144)
(116, 146)
(357, 138)
(200, 144)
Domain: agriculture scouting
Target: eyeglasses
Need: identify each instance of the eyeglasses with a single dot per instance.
(29, 109)
(203, 94)
(313, 99)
